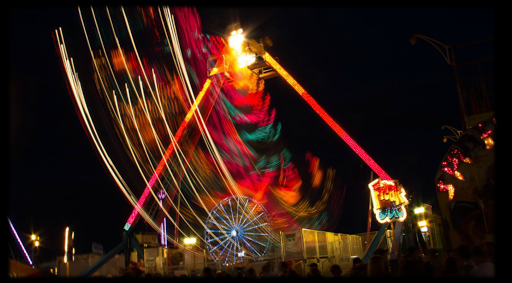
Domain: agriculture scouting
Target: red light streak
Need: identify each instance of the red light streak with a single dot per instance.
(168, 152)
(327, 118)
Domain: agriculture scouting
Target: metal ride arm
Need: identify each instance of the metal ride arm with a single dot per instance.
(377, 239)
(327, 118)
(129, 240)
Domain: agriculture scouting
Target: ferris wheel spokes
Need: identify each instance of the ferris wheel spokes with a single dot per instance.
(237, 228)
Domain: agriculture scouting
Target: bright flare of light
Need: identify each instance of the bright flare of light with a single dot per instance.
(190, 241)
(245, 60)
(489, 142)
(459, 176)
(236, 42)
(419, 210)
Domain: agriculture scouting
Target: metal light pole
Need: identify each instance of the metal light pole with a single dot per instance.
(35, 244)
(456, 133)
(448, 53)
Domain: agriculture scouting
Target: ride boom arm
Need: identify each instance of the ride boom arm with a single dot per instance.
(327, 118)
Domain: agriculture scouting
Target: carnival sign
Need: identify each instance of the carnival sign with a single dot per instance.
(389, 201)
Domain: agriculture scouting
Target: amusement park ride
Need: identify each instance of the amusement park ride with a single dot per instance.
(237, 226)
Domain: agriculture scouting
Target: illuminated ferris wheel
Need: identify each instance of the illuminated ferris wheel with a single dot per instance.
(237, 228)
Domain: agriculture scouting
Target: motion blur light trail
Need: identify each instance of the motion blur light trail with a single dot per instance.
(20, 243)
(204, 154)
(168, 153)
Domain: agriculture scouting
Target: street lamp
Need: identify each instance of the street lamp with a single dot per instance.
(190, 241)
(35, 243)
(419, 210)
(448, 53)
(456, 133)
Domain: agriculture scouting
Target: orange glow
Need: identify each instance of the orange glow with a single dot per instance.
(451, 191)
(489, 142)
(459, 176)
(449, 188)
(236, 43)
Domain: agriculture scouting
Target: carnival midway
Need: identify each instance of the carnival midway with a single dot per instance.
(221, 190)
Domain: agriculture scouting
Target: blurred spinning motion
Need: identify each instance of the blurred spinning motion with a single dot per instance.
(206, 157)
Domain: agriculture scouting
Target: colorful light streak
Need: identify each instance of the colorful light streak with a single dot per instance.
(142, 133)
(82, 106)
(20, 243)
(170, 150)
(66, 244)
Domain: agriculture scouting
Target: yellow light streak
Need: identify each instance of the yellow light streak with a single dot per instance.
(66, 244)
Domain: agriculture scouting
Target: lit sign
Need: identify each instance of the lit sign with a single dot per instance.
(389, 200)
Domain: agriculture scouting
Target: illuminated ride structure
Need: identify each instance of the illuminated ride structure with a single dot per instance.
(243, 225)
(196, 91)
(465, 182)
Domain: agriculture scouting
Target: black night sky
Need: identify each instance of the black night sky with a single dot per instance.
(357, 62)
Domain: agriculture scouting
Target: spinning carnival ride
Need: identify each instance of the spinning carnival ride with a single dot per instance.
(191, 112)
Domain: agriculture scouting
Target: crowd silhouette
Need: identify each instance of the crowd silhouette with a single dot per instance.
(462, 262)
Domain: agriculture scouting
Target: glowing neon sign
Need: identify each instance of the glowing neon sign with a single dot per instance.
(389, 200)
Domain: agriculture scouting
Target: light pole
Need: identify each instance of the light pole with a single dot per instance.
(448, 53)
(456, 133)
(163, 226)
(35, 244)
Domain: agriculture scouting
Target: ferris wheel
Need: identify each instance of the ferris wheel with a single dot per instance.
(237, 228)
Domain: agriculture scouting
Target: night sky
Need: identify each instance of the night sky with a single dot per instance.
(390, 96)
